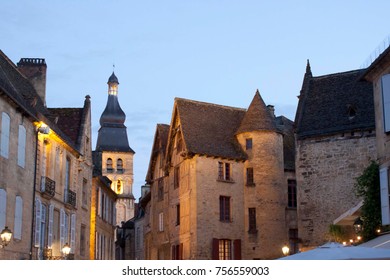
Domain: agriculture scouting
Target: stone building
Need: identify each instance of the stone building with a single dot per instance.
(379, 74)
(114, 159)
(335, 142)
(103, 218)
(218, 179)
(50, 201)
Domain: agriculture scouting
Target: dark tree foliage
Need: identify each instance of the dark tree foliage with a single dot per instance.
(368, 187)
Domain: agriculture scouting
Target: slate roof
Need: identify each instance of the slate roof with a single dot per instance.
(334, 103)
(209, 129)
(19, 89)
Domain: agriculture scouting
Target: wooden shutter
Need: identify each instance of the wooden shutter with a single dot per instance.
(3, 208)
(237, 249)
(18, 217)
(386, 102)
(37, 222)
(62, 228)
(72, 232)
(384, 185)
(50, 227)
(5, 131)
(215, 249)
(21, 146)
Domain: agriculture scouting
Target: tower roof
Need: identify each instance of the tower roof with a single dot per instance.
(257, 117)
(113, 79)
(112, 134)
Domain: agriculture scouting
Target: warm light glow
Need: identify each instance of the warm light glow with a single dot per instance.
(66, 249)
(42, 128)
(359, 238)
(285, 250)
(6, 236)
(378, 230)
(344, 243)
(351, 241)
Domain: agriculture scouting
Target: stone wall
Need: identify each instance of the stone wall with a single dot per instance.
(326, 169)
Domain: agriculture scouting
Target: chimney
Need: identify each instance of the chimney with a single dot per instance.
(271, 109)
(35, 71)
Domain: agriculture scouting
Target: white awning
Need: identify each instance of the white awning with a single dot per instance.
(349, 217)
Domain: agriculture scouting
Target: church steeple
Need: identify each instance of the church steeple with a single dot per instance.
(112, 134)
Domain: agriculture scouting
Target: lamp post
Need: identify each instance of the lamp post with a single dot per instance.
(66, 251)
(285, 250)
(6, 235)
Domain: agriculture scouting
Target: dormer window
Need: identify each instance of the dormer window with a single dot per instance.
(351, 111)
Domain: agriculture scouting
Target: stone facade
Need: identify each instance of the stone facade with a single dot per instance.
(327, 168)
(208, 206)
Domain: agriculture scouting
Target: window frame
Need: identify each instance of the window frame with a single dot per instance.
(225, 209)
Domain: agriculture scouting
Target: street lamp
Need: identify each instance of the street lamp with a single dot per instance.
(66, 250)
(285, 250)
(6, 235)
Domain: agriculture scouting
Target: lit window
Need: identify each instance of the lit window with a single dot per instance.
(225, 249)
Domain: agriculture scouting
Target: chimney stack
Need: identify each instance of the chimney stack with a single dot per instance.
(271, 109)
(35, 71)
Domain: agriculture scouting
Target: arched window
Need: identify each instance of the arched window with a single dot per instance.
(119, 187)
(109, 165)
(119, 165)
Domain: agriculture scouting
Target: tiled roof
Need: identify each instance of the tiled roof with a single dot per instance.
(209, 129)
(334, 103)
(68, 120)
(257, 117)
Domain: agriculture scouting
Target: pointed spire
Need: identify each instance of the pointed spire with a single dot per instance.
(308, 68)
(257, 117)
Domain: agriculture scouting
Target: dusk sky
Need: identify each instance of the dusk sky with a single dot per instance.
(211, 51)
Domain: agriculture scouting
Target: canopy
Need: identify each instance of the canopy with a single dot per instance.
(337, 251)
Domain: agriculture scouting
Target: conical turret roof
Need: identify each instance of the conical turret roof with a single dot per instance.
(257, 117)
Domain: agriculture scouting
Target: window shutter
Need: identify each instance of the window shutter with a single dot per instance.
(5, 130)
(21, 146)
(72, 232)
(386, 102)
(215, 249)
(18, 217)
(37, 222)
(3, 208)
(180, 251)
(237, 249)
(62, 228)
(384, 185)
(50, 229)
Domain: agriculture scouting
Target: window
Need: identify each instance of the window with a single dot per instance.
(119, 186)
(249, 177)
(82, 240)
(176, 178)
(178, 214)
(67, 179)
(179, 143)
(3, 208)
(226, 249)
(248, 144)
(109, 165)
(252, 220)
(5, 134)
(224, 171)
(161, 221)
(177, 252)
(386, 102)
(18, 217)
(160, 191)
(22, 146)
(294, 240)
(84, 195)
(292, 193)
(119, 165)
(224, 209)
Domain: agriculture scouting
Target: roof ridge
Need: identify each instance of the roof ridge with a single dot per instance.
(209, 104)
(339, 73)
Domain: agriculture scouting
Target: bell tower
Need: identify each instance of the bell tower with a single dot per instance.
(113, 154)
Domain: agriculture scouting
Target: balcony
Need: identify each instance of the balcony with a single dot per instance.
(70, 198)
(48, 187)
